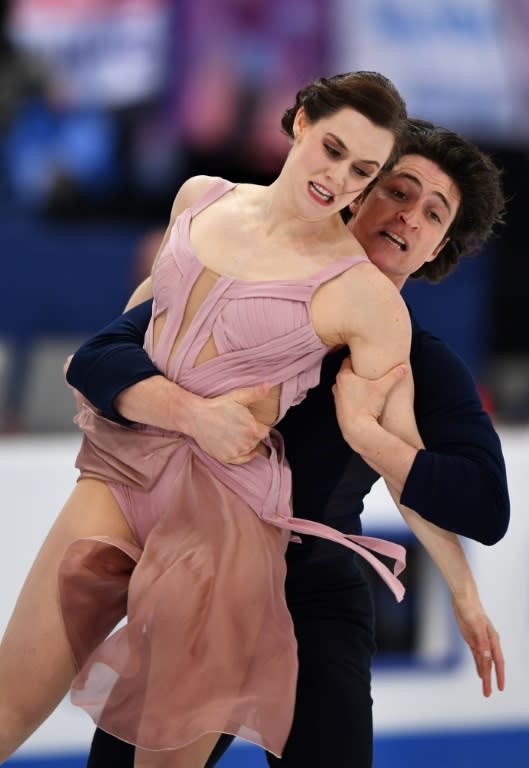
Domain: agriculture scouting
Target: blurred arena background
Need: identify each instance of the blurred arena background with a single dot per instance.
(106, 106)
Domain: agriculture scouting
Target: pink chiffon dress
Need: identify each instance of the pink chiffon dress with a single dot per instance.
(208, 644)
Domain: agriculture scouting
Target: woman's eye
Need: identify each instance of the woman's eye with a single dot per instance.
(361, 172)
(398, 193)
(435, 216)
(331, 151)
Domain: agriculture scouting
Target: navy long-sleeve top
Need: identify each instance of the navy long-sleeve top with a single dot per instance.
(457, 482)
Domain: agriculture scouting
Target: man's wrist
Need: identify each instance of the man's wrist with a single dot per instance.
(386, 453)
(185, 409)
(365, 437)
(159, 402)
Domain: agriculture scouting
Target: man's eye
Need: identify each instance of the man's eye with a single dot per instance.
(399, 194)
(331, 151)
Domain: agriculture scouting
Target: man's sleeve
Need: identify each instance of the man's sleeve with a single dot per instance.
(459, 482)
(113, 360)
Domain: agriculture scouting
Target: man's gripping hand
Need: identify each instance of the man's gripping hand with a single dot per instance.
(225, 428)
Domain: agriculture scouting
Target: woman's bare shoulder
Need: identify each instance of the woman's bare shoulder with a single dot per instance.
(366, 285)
(361, 300)
(190, 191)
(375, 296)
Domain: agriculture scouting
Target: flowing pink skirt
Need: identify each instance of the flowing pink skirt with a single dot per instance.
(209, 644)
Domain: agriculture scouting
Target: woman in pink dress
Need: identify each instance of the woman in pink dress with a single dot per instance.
(251, 283)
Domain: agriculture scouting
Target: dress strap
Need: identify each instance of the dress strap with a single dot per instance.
(337, 267)
(219, 188)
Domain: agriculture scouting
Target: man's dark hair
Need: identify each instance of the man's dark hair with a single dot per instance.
(478, 180)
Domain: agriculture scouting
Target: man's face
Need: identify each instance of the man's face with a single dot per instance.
(404, 220)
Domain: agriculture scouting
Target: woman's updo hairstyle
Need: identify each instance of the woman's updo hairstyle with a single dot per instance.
(369, 93)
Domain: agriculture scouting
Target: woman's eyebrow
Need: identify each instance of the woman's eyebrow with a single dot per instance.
(343, 146)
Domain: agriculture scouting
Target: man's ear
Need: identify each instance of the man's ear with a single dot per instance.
(438, 250)
(355, 205)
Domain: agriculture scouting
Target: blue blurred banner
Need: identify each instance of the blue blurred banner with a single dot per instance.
(462, 63)
(103, 52)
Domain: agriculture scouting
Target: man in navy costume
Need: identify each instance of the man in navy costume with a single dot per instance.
(457, 482)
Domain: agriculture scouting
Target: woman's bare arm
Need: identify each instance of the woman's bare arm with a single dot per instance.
(377, 331)
(140, 294)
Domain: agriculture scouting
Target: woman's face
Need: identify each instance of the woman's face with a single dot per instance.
(334, 158)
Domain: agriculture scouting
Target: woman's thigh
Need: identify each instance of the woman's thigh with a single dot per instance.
(36, 664)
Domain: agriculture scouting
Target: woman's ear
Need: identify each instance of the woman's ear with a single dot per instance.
(300, 121)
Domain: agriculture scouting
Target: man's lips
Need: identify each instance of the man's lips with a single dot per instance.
(396, 240)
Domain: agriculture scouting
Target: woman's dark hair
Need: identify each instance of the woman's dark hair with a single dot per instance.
(369, 93)
(478, 180)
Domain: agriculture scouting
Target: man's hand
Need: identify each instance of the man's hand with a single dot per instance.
(225, 428)
(482, 639)
(360, 402)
